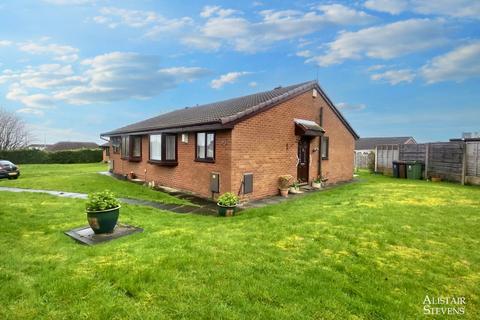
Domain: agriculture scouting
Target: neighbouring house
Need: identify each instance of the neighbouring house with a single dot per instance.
(71, 145)
(38, 146)
(105, 152)
(364, 146)
(241, 145)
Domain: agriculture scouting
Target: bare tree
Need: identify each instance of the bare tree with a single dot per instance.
(13, 131)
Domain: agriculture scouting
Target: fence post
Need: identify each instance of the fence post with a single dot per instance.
(427, 147)
(464, 161)
(376, 155)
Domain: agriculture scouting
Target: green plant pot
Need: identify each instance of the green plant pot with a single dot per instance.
(103, 221)
(225, 211)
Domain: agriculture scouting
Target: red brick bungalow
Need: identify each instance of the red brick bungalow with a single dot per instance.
(240, 145)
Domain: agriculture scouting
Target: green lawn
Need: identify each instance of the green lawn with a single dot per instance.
(83, 178)
(371, 250)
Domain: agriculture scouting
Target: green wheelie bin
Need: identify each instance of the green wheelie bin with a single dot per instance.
(414, 170)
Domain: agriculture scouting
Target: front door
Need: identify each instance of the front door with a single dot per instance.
(303, 159)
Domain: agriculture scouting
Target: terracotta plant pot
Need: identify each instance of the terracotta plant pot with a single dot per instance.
(284, 193)
(103, 221)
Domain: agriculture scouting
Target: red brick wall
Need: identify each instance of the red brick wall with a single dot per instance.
(265, 145)
(188, 175)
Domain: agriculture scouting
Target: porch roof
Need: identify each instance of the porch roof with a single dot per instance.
(307, 128)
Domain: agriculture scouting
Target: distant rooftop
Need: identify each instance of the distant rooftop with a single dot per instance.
(71, 145)
(371, 143)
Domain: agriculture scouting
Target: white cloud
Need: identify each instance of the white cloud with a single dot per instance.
(340, 14)
(230, 28)
(70, 2)
(395, 76)
(344, 106)
(201, 42)
(252, 84)
(227, 78)
(133, 18)
(304, 54)
(208, 11)
(376, 67)
(154, 23)
(5, 43)
(457, 65)
(34, 101)
(62, 53)
(390, 6)
(44, 76)
(110, 77)
(384, 42)
(454, 8)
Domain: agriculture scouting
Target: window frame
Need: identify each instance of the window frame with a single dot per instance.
(129, 148)
(116, 143)
(206, 159)
(163, 150)
(326, 145)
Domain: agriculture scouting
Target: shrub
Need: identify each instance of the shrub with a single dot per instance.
(26, 156)
(228, 199)
(371, 161)
(99, 201)
(285, 181)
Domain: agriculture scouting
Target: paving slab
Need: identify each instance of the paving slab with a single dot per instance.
(85, 234)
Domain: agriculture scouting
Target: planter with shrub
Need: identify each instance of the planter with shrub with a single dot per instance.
(284, 183)
(102, 211)
(317, 183)
(295, 188)
(227, 204)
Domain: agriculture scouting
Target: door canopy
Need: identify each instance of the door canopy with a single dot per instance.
(307, 128)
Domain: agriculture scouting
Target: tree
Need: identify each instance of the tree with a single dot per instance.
(13, 131)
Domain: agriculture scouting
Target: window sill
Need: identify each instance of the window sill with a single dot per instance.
(164, 163)
(205, 160)
(131, 159)
(324, 158)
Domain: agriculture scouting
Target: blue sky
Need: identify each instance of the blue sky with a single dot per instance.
(73, 69)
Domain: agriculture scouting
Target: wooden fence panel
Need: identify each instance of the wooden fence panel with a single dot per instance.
(412, 152)
(446, 160)
(473, 159)
(386, 154)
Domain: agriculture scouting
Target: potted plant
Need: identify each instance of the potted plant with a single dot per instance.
(323, 181)
(102, 211)
(295, 187)
(227, 204)
(284, 183)
(317, 182)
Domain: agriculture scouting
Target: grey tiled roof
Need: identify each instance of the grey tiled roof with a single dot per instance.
(371, 143)
(222, 112)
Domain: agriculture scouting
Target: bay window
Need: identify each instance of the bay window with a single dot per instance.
(163, 148)
(205, 147)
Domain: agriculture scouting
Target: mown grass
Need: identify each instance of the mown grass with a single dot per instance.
(82, 178)
(368, 250)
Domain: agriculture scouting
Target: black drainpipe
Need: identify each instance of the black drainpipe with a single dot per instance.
(320, 145)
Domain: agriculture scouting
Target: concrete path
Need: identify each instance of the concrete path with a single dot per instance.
(177, 208)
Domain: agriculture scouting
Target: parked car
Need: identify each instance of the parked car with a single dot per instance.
(8, 170)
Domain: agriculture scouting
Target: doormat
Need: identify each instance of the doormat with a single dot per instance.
(85, 234)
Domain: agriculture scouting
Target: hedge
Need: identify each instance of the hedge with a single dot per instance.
(26, 156)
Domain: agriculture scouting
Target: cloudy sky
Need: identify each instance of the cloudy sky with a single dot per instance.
(75, 68)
